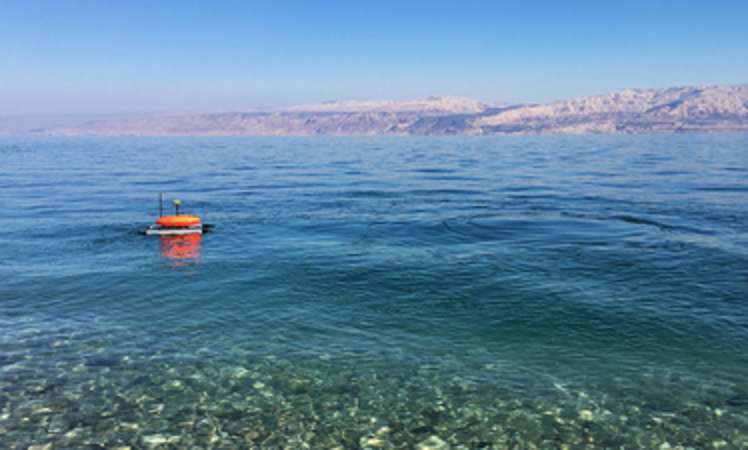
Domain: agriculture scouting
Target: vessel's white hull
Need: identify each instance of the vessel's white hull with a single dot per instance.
(156, 230)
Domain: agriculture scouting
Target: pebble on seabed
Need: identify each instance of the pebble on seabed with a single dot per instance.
(371, 442)
(433, 443)
(159, 439)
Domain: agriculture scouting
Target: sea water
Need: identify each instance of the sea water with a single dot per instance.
(502, 292)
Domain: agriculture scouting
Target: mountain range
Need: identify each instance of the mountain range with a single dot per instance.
(671, 110)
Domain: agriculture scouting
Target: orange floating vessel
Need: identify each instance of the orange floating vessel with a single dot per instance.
(178, 221)
(178, 224)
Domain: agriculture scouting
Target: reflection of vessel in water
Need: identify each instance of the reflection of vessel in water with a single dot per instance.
(184, 246)
(176, 225)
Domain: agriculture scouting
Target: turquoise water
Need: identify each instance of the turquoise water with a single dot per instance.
(554, 292)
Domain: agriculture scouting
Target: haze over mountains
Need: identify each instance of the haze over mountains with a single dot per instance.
(680, 109)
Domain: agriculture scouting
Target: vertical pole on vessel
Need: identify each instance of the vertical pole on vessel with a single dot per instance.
(160, 204)
(176, 206)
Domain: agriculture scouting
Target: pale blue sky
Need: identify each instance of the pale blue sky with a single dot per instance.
(132, 56)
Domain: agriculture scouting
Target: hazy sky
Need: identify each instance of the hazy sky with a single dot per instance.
(131, 56)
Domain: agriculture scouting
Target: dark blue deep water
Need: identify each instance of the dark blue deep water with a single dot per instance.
(534, 292)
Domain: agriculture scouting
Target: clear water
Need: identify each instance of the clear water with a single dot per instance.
(555, 292)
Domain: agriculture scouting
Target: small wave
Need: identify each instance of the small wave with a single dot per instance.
(636, 220)
(430, 192)
(369, 193)
(432, 170)
(642, 221)
(161, 182)
(722, 189)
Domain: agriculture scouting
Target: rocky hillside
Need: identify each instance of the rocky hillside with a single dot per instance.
(714, 108)
(684, 109)
(429, 105)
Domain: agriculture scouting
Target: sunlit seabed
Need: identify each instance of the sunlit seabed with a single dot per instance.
(575, 292)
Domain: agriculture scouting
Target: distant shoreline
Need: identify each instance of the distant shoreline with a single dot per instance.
(713, 109)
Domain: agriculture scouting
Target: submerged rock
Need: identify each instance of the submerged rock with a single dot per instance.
(240, 372)
(371, 442)
(40, 447)
(155, 440)
(432, 443)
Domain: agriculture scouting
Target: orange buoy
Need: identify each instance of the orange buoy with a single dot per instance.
(178, 221)
(176, 225)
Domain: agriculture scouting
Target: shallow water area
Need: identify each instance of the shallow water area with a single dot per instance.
(533, 292)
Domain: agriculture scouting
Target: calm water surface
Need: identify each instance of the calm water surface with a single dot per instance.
(555, 292)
